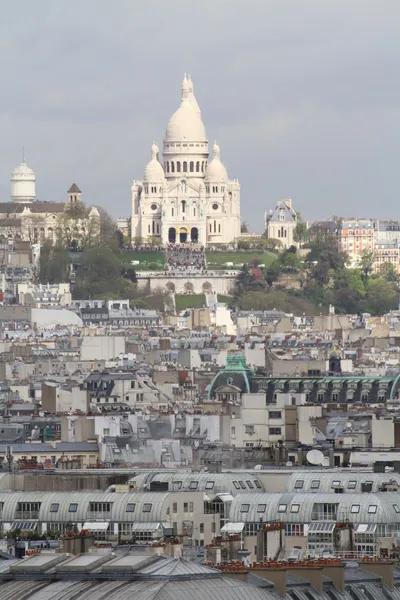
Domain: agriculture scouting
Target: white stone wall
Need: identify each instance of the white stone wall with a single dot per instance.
(213, 281)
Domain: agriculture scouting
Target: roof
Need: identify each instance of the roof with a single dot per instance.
(62, 577)
(74, 189)
(210, 483)
(323, 482)
(45, 447)
(34, 207)
(299, 508)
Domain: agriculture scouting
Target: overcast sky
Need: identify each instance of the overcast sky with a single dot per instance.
(303, 96)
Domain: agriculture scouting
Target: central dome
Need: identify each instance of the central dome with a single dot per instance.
(186, 125)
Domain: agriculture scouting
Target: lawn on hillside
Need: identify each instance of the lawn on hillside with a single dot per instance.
(144, 258)
(217, 260)
(184, 301)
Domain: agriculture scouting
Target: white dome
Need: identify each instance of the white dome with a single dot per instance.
(154, 170)
(186, 125)
(215, 169)
(23, 170)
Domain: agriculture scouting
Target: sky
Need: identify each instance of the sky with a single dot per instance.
(303, 97)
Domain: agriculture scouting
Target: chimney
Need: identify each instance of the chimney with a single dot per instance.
(383, 569)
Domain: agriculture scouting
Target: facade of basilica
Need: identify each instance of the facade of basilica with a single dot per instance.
(186, 197)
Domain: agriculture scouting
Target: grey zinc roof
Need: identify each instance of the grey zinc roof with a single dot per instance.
(351, 481)
(45, 447)
(119, 501)
(385, 512)
(223, 482)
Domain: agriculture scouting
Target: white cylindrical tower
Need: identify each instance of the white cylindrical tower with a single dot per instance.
(23, 184)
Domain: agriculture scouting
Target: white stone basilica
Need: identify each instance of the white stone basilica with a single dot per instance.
(187, 199)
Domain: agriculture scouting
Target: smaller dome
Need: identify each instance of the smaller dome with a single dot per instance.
(215, 169)
(23, 170)
(154, 170)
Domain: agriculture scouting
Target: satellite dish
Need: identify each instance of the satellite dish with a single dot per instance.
(315, 457)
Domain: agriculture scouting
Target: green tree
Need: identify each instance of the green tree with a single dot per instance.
(300, 234)
(54, 263)
(366, 262)
(381, 296)
(272, 244)
(99, 273)
(388, 271)
(273, 272)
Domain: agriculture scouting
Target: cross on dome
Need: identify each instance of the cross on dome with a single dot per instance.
(216, 151)
(154, 151)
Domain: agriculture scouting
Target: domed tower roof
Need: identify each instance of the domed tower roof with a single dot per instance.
(154, 171)
(192, 97)
(235, 374)
(215, 169)
(23, 184)
(186, 124)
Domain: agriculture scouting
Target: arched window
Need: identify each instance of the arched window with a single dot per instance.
(192, 167)
(167, 167)
(198, 167)
(185, 166)
(215, 226)
(202, 166)
(153, 227)
(172, 167)
(178, 167)
(183, 204)
(194, 210)
(172, 211)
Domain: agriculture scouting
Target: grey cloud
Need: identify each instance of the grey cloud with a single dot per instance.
(303, 97)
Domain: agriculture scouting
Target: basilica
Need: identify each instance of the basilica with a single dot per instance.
(185, 197)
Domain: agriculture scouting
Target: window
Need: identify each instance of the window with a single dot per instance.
(355, 509)
(275, 431)
(191, 507)
(396, 508)
(275, 414)
(54, 508)
(73, 507)
(147, 507)
(351, 485)
(299, 484)
(324, 511)
(315, 484)
(282, 508)
(336, 483)
(235, 483)
(215, 206)
(201, 528)
(242, 485)
(244, 508)
(210, 485)
(175, 507)
(130, 507)
(185, 507)
(372, 508)
(295, 508)
(193, 485)
(294, 529)
(178, 484)
(251, 486)
(261, 508)
(249, 429)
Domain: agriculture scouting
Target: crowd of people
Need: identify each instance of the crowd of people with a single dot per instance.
(186, 258)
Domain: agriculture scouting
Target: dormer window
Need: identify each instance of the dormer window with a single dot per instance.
(281, 214)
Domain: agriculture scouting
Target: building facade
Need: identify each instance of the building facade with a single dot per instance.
(184, 197)
(28, 219)
(281, 222)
